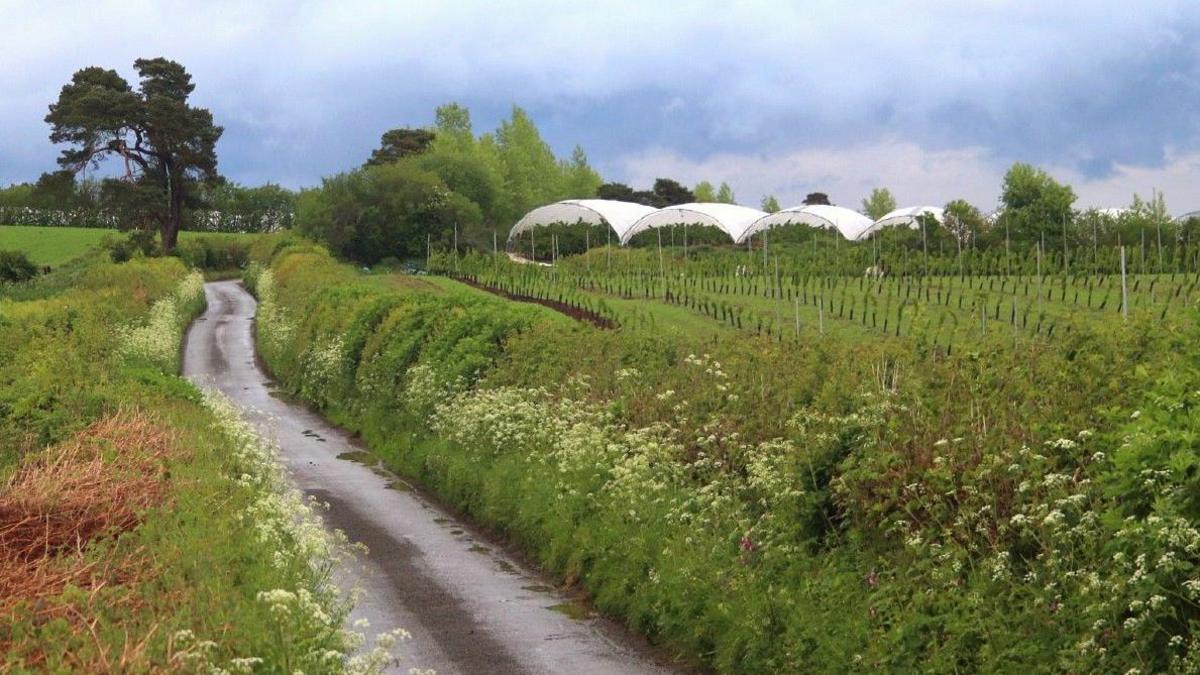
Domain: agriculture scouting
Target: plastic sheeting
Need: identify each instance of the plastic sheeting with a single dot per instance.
(1188, 216)
(849, 223)
(620, 216)
(729, 218)
(904, 217)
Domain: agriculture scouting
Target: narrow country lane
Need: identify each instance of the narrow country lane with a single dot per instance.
(469, 607)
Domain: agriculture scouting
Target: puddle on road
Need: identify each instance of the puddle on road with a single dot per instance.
(508, 568)
(456, 531)
(441, 521)
(476, 548)
(573, 608)
(358, 456)
(538, 588)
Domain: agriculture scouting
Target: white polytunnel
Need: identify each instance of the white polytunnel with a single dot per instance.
(729, 218)
(1188, 216)
(904, 217)
(620, 216)
(849, 223)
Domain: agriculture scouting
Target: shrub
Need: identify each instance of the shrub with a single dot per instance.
(16, 267)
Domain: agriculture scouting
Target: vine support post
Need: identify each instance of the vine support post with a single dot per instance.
(661, 273)
(1124, 289)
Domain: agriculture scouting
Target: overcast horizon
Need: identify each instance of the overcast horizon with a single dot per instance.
(932, 100)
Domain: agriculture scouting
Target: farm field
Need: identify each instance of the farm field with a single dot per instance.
(56, 245)
(790, 304)
(683, 464)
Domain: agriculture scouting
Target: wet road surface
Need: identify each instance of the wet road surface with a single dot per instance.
(469, 607)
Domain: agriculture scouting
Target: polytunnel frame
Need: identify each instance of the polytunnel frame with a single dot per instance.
(908, 215)
(701, 213)
(587, 211)
(826, 216)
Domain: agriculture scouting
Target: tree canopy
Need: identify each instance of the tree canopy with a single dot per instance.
(397, 144)
(879, 203)
(167, 146)
(725, 194)
(1035, 205)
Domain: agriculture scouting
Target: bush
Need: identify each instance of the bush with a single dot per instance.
(214, 253)
(15, 267)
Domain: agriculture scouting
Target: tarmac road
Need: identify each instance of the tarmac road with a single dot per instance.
(469, 606)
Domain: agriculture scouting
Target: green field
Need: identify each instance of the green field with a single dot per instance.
(56, 245)
(794, 301)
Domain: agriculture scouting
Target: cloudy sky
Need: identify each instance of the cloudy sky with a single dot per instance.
(931, 99)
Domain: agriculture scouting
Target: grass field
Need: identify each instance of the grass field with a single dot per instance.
(56, 245)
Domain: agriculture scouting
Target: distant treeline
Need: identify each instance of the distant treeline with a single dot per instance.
(58, 200)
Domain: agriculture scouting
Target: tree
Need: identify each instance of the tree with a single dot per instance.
(381, 211)
(532, 176)
(815, 198)
(580, 180)
(725, 194)
(453, 120)
(55, 190)
(397, 144)
(616, 191)
(879, 203)
(963, 221)
(668, 192)
(1035, 205)
(167, 146)
(769, 204)
(704, 192)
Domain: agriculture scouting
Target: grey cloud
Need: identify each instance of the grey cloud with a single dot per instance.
(305, 89)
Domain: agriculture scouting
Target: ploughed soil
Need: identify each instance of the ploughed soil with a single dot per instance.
(577, 313)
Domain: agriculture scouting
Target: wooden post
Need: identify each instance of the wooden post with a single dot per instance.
(821, 311)
(1039, 274)
(796, 301)
(661, 274)
(1124, 289)
(764, 252)
(924, 243)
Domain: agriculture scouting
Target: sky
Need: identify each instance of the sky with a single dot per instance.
(933, 100)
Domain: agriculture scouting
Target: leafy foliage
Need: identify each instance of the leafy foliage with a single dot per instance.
(878, 203)
(167, 146)
(16, 267)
